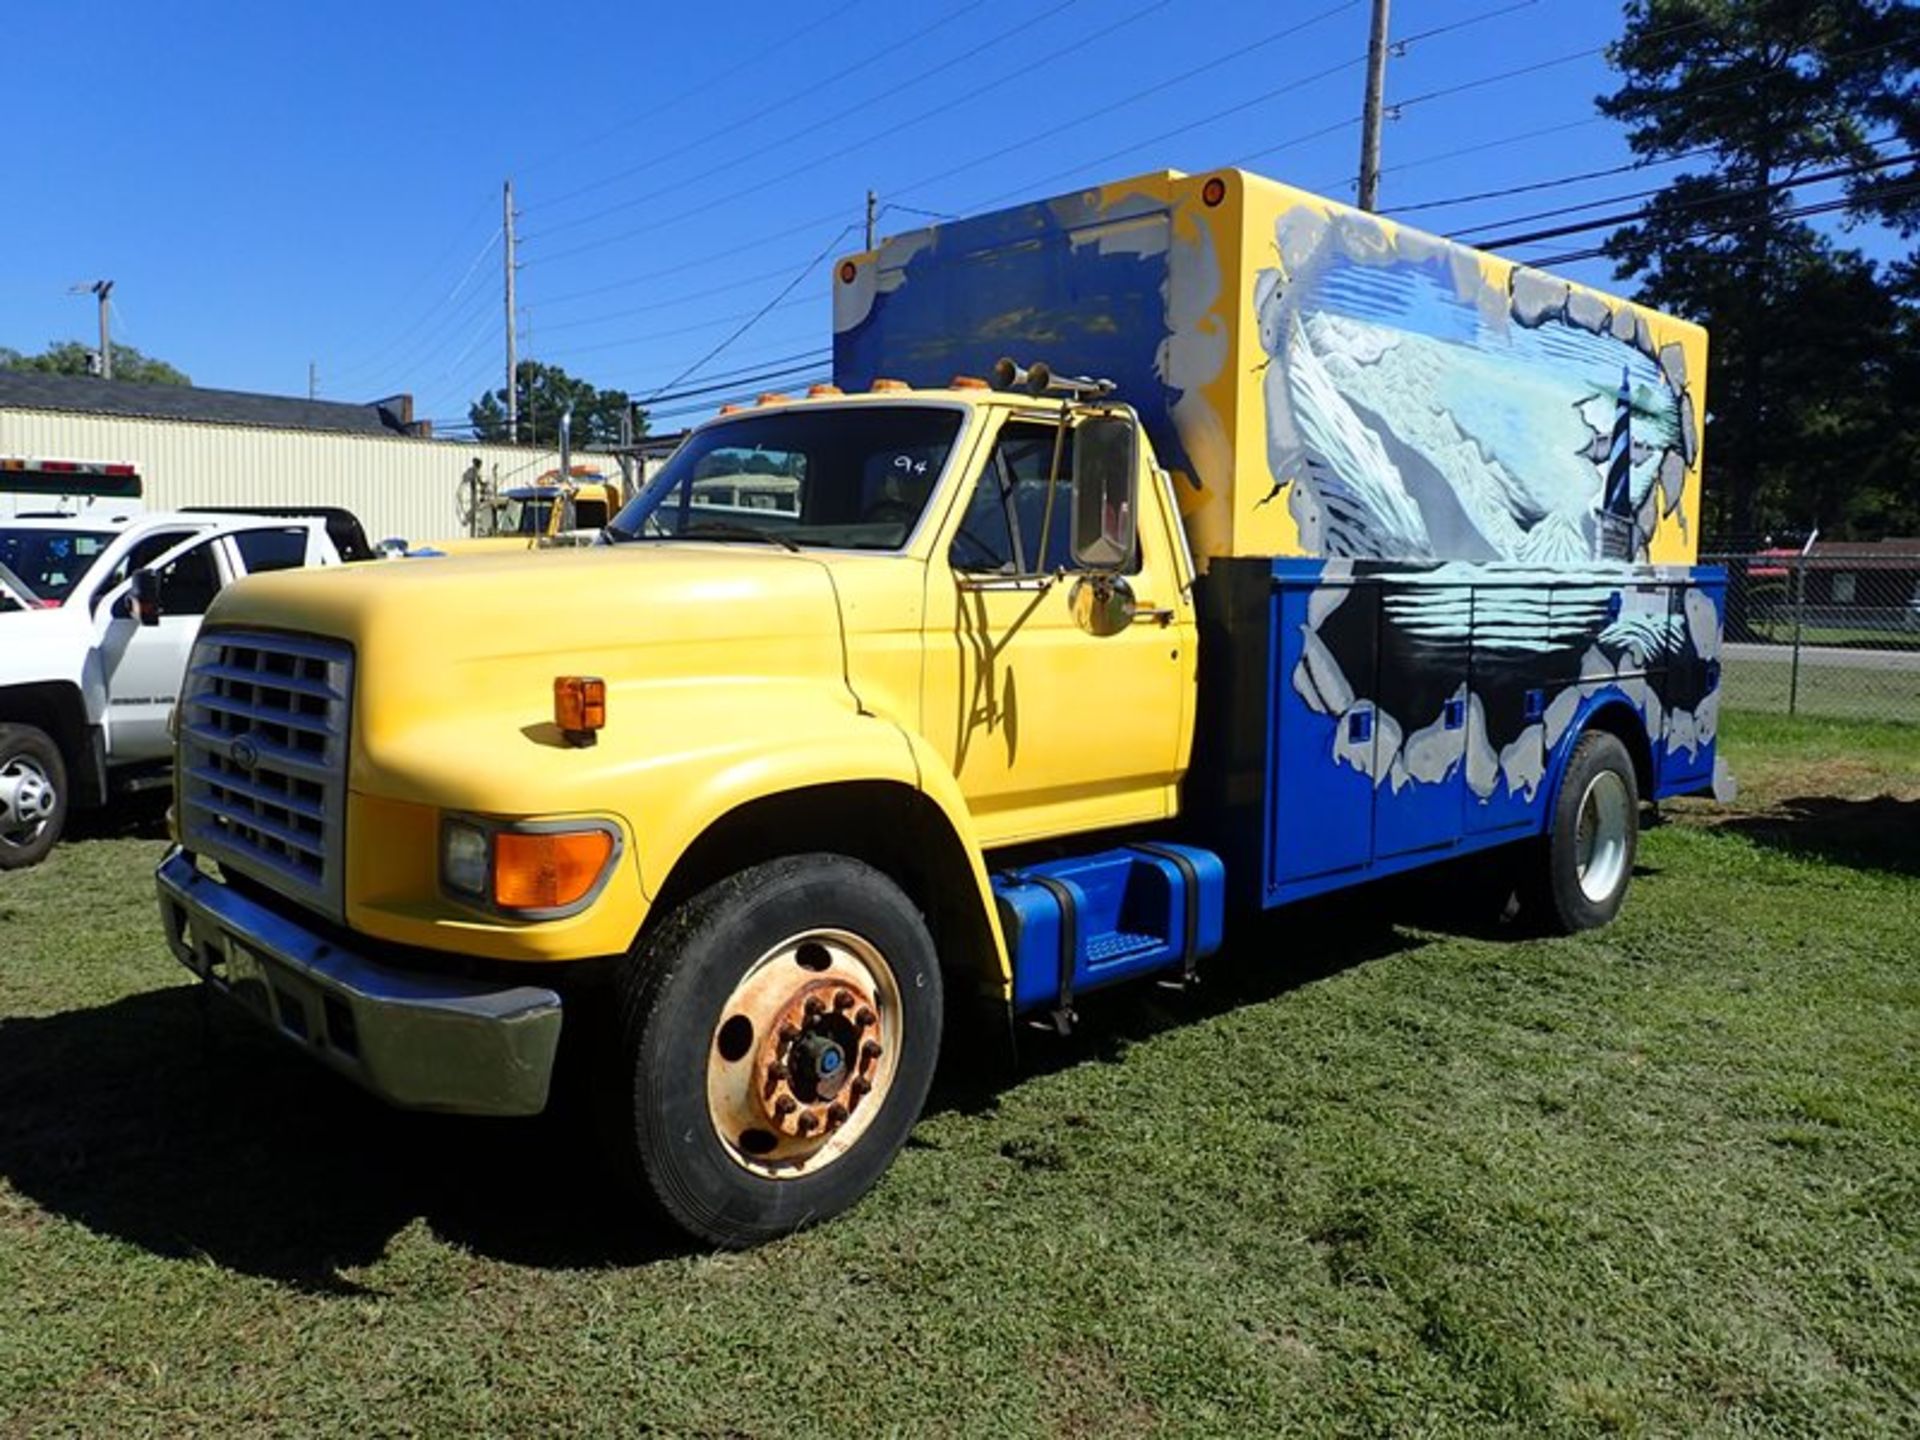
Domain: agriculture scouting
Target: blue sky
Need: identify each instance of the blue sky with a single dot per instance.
(270, 185)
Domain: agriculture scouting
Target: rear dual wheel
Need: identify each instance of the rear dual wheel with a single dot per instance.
(1585, 863)
(778, 1038)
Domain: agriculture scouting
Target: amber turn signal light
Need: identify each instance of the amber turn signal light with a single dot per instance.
(579, 707)
(548, 870)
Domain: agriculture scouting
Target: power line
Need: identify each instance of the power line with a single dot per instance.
(1292, 86)
(691, 92)
(1133, 96)
(1754, 192)
(1662, 189)
(1714, 229)
(1554, 184)
(971, 97)
(371, 360)
(766, 309)
(751, 316)
(708, 173)
(825, 219)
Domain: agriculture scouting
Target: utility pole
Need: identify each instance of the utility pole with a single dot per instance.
(104, 288)
(873, 213)
(1370, 117)
(513, 359)
(313, 380)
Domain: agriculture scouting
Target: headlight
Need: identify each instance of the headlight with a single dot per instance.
(464, 852)
(534, 870)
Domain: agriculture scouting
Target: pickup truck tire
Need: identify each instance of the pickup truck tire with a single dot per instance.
(778, 1035)
(1585, 862)
(33, 796)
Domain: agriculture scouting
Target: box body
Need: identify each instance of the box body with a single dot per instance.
(1322, 382)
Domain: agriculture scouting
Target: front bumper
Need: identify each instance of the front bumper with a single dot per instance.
(423, 1042)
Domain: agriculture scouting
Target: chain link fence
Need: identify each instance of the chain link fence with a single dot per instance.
(1832, 630)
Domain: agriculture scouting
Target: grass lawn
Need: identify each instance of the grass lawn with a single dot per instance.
(1372, 1178)
(1841, 692)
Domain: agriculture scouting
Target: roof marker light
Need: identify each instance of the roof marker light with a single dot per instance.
(814, 392)
(884, 386)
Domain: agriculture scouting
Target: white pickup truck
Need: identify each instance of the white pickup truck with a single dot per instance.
(97, 617)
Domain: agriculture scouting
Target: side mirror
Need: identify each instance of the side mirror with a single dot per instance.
(144, 594)
(1106, 482)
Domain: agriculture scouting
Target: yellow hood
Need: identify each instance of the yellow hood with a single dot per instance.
(454, 661)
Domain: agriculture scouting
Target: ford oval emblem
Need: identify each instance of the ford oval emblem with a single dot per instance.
(242, 753)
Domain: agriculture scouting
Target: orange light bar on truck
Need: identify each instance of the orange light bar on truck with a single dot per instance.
(579, 707)
(548, 870)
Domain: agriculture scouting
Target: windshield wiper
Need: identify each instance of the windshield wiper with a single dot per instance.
(743, 532)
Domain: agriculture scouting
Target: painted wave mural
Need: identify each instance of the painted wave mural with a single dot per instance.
(1415, 412)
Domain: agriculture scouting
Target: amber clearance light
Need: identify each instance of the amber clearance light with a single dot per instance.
(579, 707)
(548, 870)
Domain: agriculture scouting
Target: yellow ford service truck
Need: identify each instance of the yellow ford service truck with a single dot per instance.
(1317, 549)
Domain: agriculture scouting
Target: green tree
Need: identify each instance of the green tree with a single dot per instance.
(1808, 339)
(71, 357)
(544, 392)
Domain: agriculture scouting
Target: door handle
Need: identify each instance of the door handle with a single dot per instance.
(1147, 610)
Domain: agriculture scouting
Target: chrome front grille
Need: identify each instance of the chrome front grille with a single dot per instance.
(263, 759)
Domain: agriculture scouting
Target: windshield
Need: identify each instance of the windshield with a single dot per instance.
(525, 515)
(853, 477)
(51, 562)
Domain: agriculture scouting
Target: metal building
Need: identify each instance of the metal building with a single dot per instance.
(193, 446)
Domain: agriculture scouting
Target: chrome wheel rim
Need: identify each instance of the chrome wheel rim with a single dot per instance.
(27, 801)
(1601, 836)
(804, 1053)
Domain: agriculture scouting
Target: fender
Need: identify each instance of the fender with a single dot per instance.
(940, 786)
(1607, 698)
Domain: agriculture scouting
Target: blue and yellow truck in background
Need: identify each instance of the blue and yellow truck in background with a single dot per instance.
(1178, 547)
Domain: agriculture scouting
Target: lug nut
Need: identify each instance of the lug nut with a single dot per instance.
(843, 1000)
(836, 1114)
(783, 1106)
(777, 1071)
(863, 1017)
(814, 1005)
(870, 1050)
(806, 1124)
(861, 1085)
(789, 1033)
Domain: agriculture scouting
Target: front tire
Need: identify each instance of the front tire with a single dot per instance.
(778, 1037)
(1585, 861)
(33, 796)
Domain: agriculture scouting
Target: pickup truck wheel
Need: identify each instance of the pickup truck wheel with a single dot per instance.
(1586, 861)
(779, 1034)
(33, 796)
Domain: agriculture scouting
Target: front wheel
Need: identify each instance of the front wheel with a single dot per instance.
(1586, 858)
(33, 796)
(778, 1038)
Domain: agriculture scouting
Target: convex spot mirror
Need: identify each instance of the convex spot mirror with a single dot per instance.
(1106, 457)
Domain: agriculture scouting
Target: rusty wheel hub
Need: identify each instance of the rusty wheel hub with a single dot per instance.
(802, 1056)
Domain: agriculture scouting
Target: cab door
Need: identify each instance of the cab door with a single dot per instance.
(1051, 729)
(143, 665)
